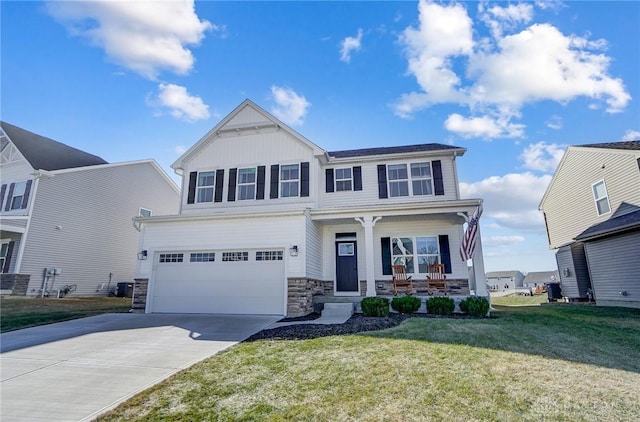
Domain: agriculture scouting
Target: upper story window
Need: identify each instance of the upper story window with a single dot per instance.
(18, 195)
(343, 179)
(205, 186)
(421, 179)
(601, 197)
(144, 212)
(247, 183)
(289, 180)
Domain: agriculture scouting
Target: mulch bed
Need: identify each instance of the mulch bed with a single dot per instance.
(356, 324)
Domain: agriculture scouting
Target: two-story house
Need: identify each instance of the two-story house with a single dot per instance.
(268, 221)
(504, 281)
(65, 215)
(592, 214)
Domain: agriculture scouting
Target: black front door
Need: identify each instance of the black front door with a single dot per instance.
(346, 266)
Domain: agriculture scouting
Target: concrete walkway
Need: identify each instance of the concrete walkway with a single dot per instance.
(77, 370)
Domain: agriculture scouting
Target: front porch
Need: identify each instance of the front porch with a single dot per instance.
(306, 295)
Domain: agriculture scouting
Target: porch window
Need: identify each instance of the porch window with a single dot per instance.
(4, 248)
(601, 197)
(409, 250)
(289, 180)
(343, 179)
(398, 180)
(205, 186)
(247, 183)
(18, 195)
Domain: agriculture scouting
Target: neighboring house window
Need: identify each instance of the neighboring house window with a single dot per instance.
(343, 179)
(289, 180)
(601, 197)
(171, 257)
(421, 179)
(205, 186)
(247, 183)
(202, 257)
(269, 256)
(18, 195)
(235, 256)
(144, 212)
(398, 180)
(4, 249)
(409, 250)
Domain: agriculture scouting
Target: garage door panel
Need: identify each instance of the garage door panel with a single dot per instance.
(237, 287)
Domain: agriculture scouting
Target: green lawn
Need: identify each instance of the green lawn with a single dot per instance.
(518, 300)
(539, 363)
(21, 312)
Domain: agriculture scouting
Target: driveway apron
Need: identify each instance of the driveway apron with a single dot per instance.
(77, 370)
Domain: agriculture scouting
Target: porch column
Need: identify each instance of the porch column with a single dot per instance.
(368, 222)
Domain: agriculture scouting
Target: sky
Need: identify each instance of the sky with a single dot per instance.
(514, 83)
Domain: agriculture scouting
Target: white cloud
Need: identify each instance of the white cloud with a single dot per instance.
(631, 135)
(542, 156)
(143, 36)
(290, 107)
(482, 127)
(502, 241)
(180, 149)
(498, 75)
(180, 103)
(349, 45)
(554, 122)
(511, 200)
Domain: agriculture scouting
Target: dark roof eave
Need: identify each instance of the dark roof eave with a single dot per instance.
(403, 149)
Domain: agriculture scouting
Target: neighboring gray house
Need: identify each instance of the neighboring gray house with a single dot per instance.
(502, 281)
(592, 214)
(540, 278)
(66, 215)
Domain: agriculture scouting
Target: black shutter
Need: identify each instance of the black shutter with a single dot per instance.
(191, 195)
(328, 181)
(382, 181)
(7, 261)
(217, 197)
(9, 196)
(445, 253)
(27, 191)
(231, 195)
(3, 189)
(357, 178)
(260, 183)
(275, 180)
(304, 179)
(386, 256)
(438, 184)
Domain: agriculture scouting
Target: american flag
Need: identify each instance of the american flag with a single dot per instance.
(468, 245)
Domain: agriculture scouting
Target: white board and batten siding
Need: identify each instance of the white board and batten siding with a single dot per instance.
(569, 205)
(615, 269)
(82, 224)
(223, 287)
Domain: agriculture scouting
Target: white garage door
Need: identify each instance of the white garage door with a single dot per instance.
(221, 282)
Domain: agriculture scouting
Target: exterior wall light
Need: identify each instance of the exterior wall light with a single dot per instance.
(142, 255)
(293, 251)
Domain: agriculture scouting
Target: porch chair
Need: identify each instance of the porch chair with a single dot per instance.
(436, 280)
(400, 280)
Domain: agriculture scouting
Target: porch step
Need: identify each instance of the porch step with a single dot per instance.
(337, 309)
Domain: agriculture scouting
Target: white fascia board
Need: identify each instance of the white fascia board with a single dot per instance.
(397, 156)
(439, 207)
(218, 216)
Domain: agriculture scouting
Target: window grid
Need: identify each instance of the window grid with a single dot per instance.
(269, 256)
(343, 179)
(247, 183)
(205, 186)
(4, 248)
(144, 212)
(601, 197)
(398, 180)
(421, 249)
(289, 180)
(421, 179)
(171, 257)
(202, 257)
(18, 195)
(235, 256)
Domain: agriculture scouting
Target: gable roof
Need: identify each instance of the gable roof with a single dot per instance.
(501, 274)
(44, 153)
(614, 225)
(220, 127)
(395, 150)
(628, 145)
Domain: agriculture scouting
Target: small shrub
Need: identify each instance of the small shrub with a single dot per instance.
(440, 305)
(475, 306)
(375, 306)
(405, 304)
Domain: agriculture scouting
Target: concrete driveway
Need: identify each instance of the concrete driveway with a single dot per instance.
(76, 370)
